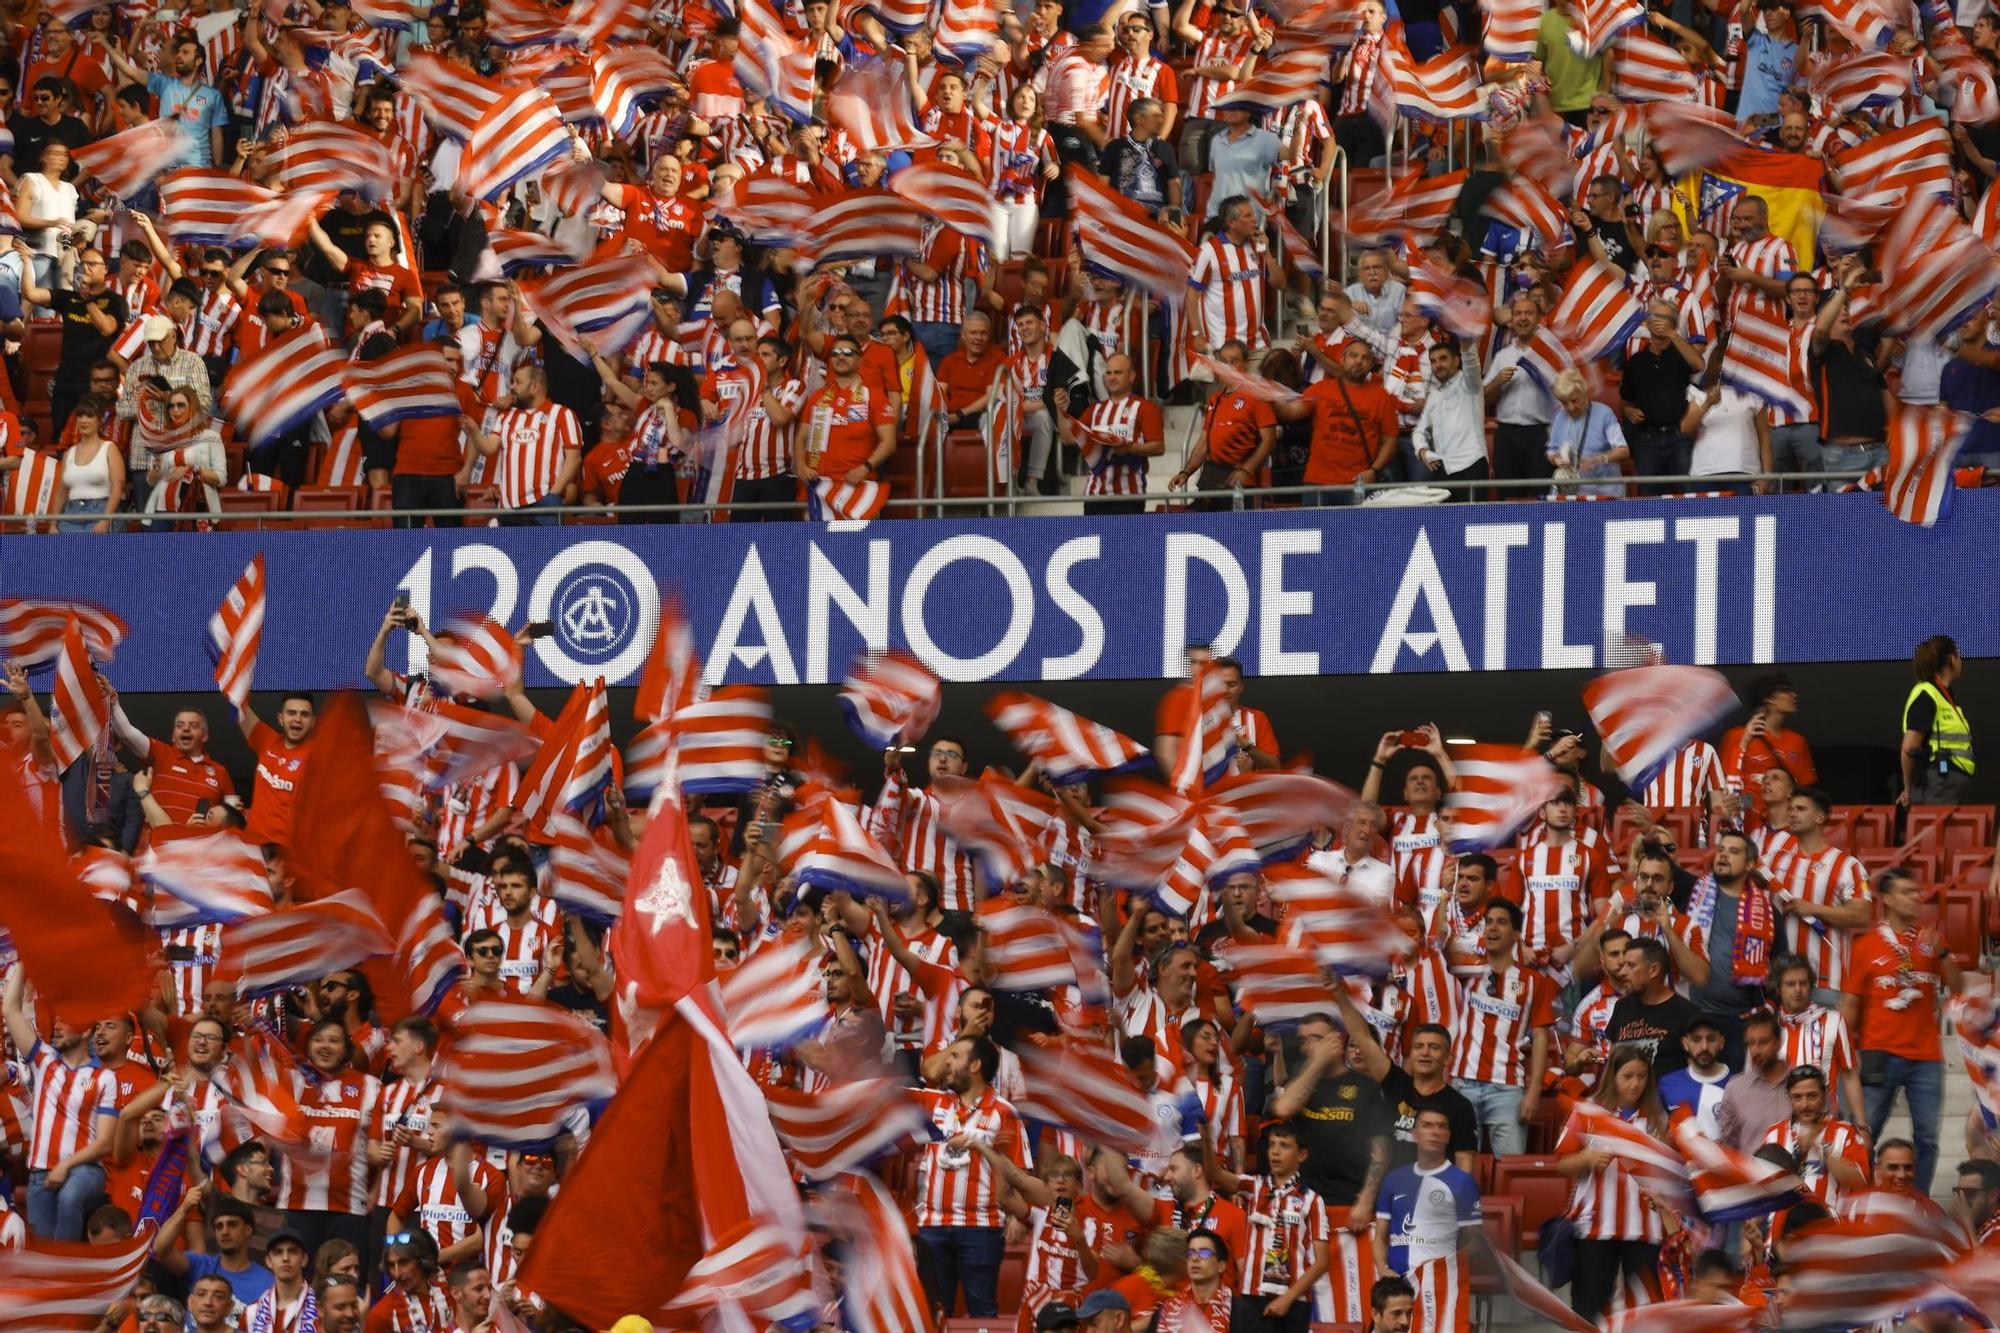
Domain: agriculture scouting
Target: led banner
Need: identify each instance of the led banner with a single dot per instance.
(1290, 592)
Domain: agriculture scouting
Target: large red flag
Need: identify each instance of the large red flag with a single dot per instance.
(83, 964)
(660, 949)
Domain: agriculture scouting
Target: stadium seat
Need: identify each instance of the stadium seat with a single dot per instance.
(1052, 238)
(1013, 1277)
(964, 463)
(234, 452)
(1859, 828)
(1973, 870)
(1482, 1172)
(1500, 1216)
(1951, 828)
(1962, 923)
(1542, 1190)
(334, 499)
(246, 503)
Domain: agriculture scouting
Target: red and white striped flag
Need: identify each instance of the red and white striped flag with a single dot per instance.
(775, 997)
(1082, 1086)
(81, 712)
(1119, 239)
(453, 97)
(412, 381)
(1655, 1166)
(968, 29)
(846, 856)
(517, 137)
(1851, 1272)
(279, 222)
(280, 387)
(200, 206)
(396, 14)
(832, 500)
(1511, 28)
(974, 816)
(545, 783)
(1283, 77)
(1866, 23)
(32, 630)
(1848, 83)
(858, 224)
(1935, 270)
(754, 1270)
(586, 877)
(1924, 442)
(1686, 1317)
(1138, 848)
(1279, 811)
(269, 952)
(60, 1285)
(1690, 136)
(108, 875)
(1025, 947)
(1916, 158)
(620, 78)
(873, 106)
(31, 490)
(903, 17)
(772, 209)
(211, 877)
(1300, 257)
(1208, 742)
(1445, 87)
(1275, 982)
(1758, 358)
(771, 64)
(236, 631)
(1646, 714)
(1977, 100)
(1646, 69)
(1067, 747)
(605, 298)
(1597, 312)
(264, 1085)
(672, 678)
(882, 1293)
(590, 766)
(520, 252)
(1527, 207)
(1354, 941)
(1593, 23)
(1500, 788)
(1217, 847)
(1245, 382)
(843, 1125)
(956, 198)
(890, 698)
(476, 657)
(1414, 206)
(721, 740)
(1461, 305)
(127, 162)
(518, 1067)
(326, 155)
(448, 742)
(1545, 357)
(1533, 151)
(1730, 1185)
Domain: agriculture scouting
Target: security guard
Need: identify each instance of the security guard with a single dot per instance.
(1937, 737)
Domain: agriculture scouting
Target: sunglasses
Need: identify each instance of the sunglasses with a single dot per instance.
(844, 351)
(279, 272)
(1202, 1253)
(487, 951)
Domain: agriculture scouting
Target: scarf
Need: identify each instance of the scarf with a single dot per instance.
(1756, 927)
(264, 1314)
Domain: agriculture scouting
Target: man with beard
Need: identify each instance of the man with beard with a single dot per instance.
(76, 1103)
(958, 1210)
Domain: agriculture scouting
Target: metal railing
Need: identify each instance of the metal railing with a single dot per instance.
(1478, 492)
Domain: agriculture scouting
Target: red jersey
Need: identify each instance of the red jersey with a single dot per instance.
(405, 1105)
(1556, 887)
(69, 1104)
(279, 768)
(1817, 1036)
(438, 1208)
(1235, 421)
(1836, 1137)
(1288, 1228)
(342, 1115)
(434, 446)
(398, 286)
(906, 820)
(1900, 979)
(181, 782)
(1607, 1204)
(1745, 759)
(1829, 877)
(665, 227)
(840, 424)
(1351, 424)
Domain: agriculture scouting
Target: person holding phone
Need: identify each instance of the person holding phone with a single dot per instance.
(1767, 740)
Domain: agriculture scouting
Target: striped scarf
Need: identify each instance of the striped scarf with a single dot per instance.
(1756, 927)
(264, 1314)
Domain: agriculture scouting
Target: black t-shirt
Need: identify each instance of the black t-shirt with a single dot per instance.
(32, 133)
(1617, 246)
(82, 343)
(1344, 1113)
(347, 231)
(583, 1003)
(1657, 383)
(1402, 1101)
(1847, 389)
(1656, 1028)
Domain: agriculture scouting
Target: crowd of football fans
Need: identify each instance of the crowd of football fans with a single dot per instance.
(1605, 959)
(763, 366)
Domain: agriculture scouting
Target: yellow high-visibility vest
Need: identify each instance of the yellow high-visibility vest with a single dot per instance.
(1951, 733)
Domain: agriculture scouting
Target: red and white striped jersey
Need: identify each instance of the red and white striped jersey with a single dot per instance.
(142, 293)
(1014, 163)
(1118, 325)
(523, 945)
(1131, 80)
(1558, 885)
(938, 300)
(496, 1245)
(1215, 49)
(1301, 128)
(1501, 1012)
(533, 446)
(1357, 73)
(1418, 990)
(1053, 1262)
(955, 1187)
(906, 818)
(1607, 1203)
(1031, 372)
(1641, 927)
(16, 1112)
(887, 978)
(1221, 1101)
(200, 950)
(1686, 782)
(1230, 279)
(484, 912)
(439, 1210)
(767, 447)
(467, 804)
(1836, 1137)
(1124, 418)
(408, 1106)
(1142, 1013)
(1831, 878)
(69, 1104)
(331, 1176)
(1817, 1036)
(429, 1311)
(1588, 1026)
(1420, 880)
(213, 327)
(1771, 256)
(1774, 846)
(1288, 1228)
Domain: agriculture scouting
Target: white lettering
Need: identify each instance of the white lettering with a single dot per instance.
(751, 596)
(1275, 603)
(1707, 534)
(826, 586)
(1077, 607)
(1020, 615)
(1557, 655)
(1764, 589)
(506, 583)
(1421, 579)
(1183, 547)
(1621, 594)
(1496, 539)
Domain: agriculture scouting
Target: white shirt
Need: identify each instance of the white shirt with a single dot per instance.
(1524, 402)
(1372, 879)
(1453, 422)
(1727, 439)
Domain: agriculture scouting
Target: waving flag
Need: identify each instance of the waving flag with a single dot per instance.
(881, 1291)
(1282, 77)
(454, 99)
(80, 712)
(1731, 1185)
(1445, 87)
(1512, 28)
(621, 77)
(280, 387)
(107, 874)
(1916, 158)
(1527, 207)
(1414, 206)
(1500, 787)
(1690, 136)
(967, 29)
(262, 1083)
(518, 136)
(890, 698)
(518, 1067)
(1862, 79)
(57, 1284)
(606, 298)
(1545, 1308)
(959, 200)
(449, 742)
(1084, 1087)
(1593, 23)
(1646, 69)
(846, 856)
(32, 630)
(546, 782)
(1977, 100)
(1864, 22)
(834, 501)
(721, 740)
(1276, 983)
(1067, 747)
(586, 877)
(1208, 742)
(672, 678)
(1353, 941)
(518, 252)
(1758, 358)
(1597, 312)
(845, 1124)
(1545, 357)
(1936, 271)
(771, 64)
(1854, 1271)
(1119, 239)
(1644, 715)
(1279, 812)
(775, 997)
(412, 381)
(127, 162)
(589, 769)
(269, 951)
(770, 208)
(279, 222)
(476, 657)
(199, 205)
(1656, 1167)
(858, 224)
(213, 876)
(873, 105)
(324, 155)
(236, 631)
(1461, 305)
(1025, 948)
(977, 817)
(755, 1270)
(1924, 442)
(393, 14)
(1975, 1021)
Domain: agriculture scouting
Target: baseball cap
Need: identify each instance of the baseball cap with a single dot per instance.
(1103, 1302)
(158, 327)
(1054, 1315)
(283, 1234)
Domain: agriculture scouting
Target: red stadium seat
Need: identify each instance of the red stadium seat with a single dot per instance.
(1500, 1216)
(1962, 923)
(1542, 1190)
(964, 463)
(1951, 828)
(1858, 828)
(246, 503)
(334, 499)
(1052, 238)
(1013, 1277)
(1482, 1172)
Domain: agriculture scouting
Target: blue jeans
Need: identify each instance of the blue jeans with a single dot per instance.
(1851, 458)
(58, 1214)
(969, 1256)
(938, 340)
(1796, 449)
(1499, 1108)
(526, 517)
(1922, 1082)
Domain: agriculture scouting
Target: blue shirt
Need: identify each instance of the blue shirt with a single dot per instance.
(1965, 387)
(1585, 440)
(1769, 67)
(1426, 1210)
(198, 107)
(248, 1285)
(1702, 1097)
(1241, 166)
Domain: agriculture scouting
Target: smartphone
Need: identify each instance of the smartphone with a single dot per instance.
(1544, 718)
(180, 953)
(201, 808)
(1413, 740)
(402, 602)
(541, 629)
